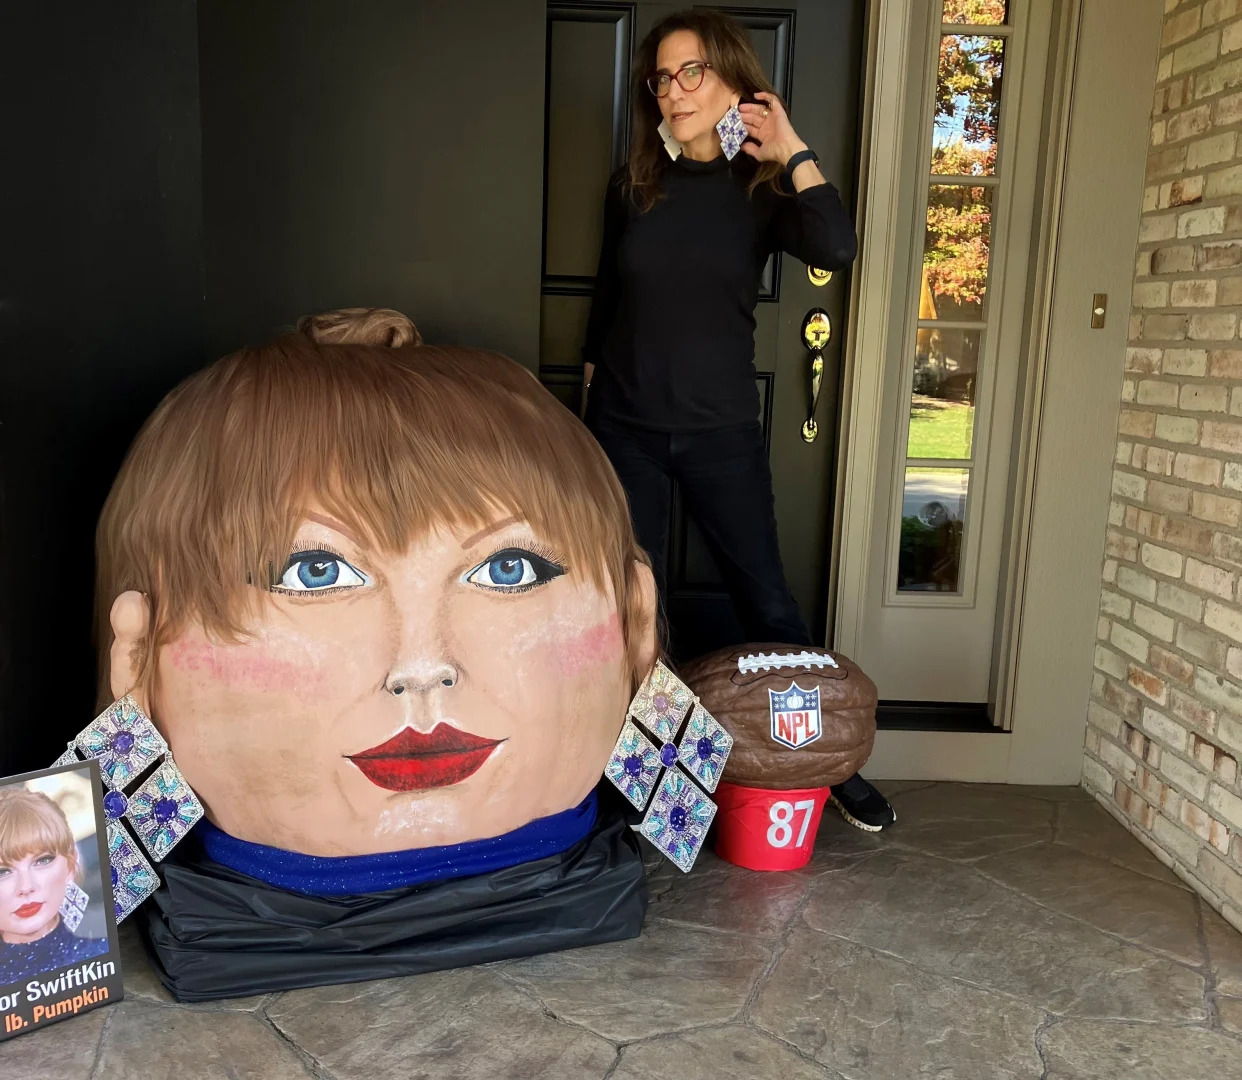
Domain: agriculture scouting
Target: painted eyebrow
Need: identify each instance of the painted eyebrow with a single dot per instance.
(332, 523)
(470, 541)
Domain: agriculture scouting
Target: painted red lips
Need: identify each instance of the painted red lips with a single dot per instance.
(413, 761)
(27, 910)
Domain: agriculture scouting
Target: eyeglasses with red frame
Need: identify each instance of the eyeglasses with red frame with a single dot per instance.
(689, 77)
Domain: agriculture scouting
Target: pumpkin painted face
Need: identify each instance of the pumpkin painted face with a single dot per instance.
(454, 692)
(375, 598)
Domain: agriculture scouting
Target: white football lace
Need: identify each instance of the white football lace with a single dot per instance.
(776, 661)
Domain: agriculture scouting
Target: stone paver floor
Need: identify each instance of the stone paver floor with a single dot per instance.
(994, 933)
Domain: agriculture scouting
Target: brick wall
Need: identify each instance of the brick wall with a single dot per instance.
(1164, 736)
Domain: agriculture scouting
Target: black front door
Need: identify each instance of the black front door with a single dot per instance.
(812, 53)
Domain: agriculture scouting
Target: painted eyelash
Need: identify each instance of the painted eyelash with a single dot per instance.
(314, 547)
(308, 594)
(318, 548)
(311, 548)
(532, 547)
(521, 549)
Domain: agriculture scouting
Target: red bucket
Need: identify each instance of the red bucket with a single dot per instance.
(762, 829)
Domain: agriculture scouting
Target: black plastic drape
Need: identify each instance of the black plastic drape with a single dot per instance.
(215, 933)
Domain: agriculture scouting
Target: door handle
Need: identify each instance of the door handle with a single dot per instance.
(816, 333)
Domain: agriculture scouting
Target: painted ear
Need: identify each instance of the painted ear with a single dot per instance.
(131, 629)
(644, 643)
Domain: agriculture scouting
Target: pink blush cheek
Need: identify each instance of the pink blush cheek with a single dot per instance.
(252, 667)
(599, 645)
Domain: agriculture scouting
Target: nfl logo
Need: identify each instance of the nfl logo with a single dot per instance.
(795, 716)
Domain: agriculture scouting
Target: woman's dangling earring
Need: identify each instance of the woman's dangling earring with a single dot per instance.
(680, 813)
(73, 907)
(732, 132)
(671, 145)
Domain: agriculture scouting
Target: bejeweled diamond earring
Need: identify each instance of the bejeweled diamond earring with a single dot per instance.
(159, 811)
(679, 814)
(73, 906)
(732, 132)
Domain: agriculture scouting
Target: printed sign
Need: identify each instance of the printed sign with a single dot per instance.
(58, 945)
(795, 716)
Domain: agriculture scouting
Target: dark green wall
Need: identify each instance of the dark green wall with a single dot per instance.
(181, 179)
(386, 153)
(101, 312)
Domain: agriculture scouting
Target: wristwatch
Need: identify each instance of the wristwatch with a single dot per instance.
(798, 158)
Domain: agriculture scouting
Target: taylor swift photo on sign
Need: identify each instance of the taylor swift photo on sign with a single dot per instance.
(58, 944)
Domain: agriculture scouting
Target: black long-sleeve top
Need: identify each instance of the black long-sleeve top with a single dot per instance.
(672, 326)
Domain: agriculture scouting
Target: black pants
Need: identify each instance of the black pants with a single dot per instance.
(726, 484)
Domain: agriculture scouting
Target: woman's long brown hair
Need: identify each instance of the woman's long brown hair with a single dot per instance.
(731, 56)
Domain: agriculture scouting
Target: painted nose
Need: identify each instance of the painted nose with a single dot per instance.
(436, 676)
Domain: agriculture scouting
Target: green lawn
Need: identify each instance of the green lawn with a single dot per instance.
(940, 429)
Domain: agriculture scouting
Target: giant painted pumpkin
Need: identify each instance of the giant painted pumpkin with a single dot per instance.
(376, 595)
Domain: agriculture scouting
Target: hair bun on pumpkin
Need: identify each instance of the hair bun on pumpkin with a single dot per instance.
(360, 326)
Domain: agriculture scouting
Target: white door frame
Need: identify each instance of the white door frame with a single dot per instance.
(1057, 641)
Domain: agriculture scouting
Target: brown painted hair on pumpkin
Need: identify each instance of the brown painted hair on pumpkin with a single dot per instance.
(732, 58)
(391, 441)
(361, 326)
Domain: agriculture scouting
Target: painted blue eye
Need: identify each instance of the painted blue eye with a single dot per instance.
(318, 575)
(510, 572)
(314, 571)
(513, 570)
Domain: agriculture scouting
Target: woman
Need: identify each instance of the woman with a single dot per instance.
(38, 863)
(669, 355)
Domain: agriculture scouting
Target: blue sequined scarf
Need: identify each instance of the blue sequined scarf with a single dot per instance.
(355, 875)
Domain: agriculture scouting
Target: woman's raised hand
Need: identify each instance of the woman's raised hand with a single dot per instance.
(768, 124)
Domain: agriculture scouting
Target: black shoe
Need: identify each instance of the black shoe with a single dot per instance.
(861, 805)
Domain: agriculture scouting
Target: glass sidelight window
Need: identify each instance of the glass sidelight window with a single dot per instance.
(951, 312)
